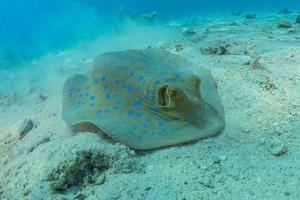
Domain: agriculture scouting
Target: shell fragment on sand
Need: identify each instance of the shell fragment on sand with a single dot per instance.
(144, 99)
(21, 128)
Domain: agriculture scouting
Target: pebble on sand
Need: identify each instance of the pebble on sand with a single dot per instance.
(277, 147)
(188, 32)
(21, 128)
(298, 19)
(284, 24)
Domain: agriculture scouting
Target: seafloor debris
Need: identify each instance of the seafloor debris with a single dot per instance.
(83, 170)
(254, 63)
(277, 147)
(201, 37)
(21, 128)
(178, 47)
(284, 24)
(237, 13)
(219, 49)
(298, 19)
(268, 85)
(188, 32)
(250, 16)
(285, 11)
(149, 17)
(42, 97)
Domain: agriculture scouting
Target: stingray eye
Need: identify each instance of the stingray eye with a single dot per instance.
(173, 93)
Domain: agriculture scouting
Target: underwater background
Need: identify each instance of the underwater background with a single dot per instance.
(246, 53)
(32, 28)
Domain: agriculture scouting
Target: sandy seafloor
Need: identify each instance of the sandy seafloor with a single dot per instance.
(262, 109)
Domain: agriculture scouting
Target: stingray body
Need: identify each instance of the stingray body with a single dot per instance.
(144, 99)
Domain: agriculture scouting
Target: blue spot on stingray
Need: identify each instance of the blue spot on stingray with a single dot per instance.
(138, 104)
(117, 81)
(156, 82)
(80, 81)
(107, 110)
(107, 97)
(105, 87)
(88, 87)
(127, 87)
(92, 98)
(141, 78)
(99, 111)
(138, 115)
(160, 124)
(130, 112)
(103, 78)
(115, 96)
(167, 120)
(134, 127)
(175, 118)
(87, 94)
(169, 81)
(96, 81)
(138, 88)
(144, 125)
(119, 102)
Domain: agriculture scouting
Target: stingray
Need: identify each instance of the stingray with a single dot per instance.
(144, 99)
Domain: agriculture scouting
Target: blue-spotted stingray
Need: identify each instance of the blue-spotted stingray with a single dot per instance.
(145, 99)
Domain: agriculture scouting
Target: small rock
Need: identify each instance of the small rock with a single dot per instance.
(150, 17)
(207, 182)
(148, 188)
(292, 31)
(236, 13)
(219, 159)
(285, 11)
(298, 19)
(100, 179)
(79, 196)
(216, 50)
(287, 193)
(178, 47)
(21, 128)
(42, 97)
(131, 152)
(250, 16)
(86, 180)
(277, 147)
(254, 63)
(188, 32)
(284, 24)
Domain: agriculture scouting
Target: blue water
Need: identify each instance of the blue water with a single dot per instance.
(32, 28)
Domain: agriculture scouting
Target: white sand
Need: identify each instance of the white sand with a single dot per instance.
(262, 107)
